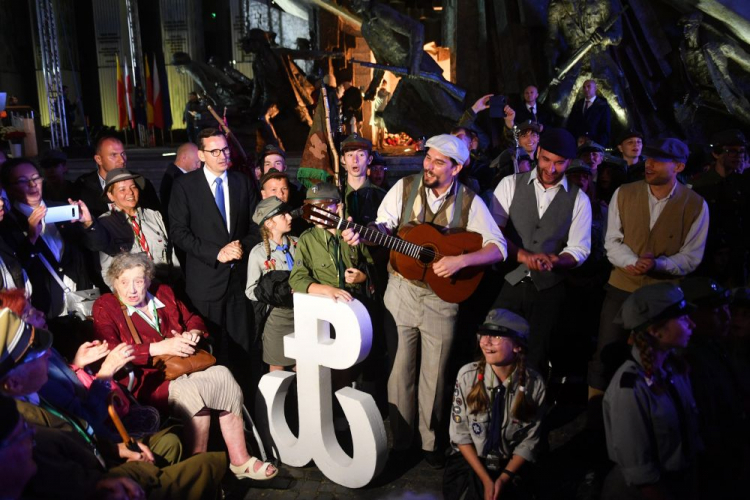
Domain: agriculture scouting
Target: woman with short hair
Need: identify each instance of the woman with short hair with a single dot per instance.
(165, 326)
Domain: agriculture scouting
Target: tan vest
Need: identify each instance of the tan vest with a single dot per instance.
(667, 236)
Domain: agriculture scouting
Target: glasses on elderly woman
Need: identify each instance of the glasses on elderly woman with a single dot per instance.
(23, 181)
(216, 152)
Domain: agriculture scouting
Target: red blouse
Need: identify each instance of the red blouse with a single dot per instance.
(109, 324)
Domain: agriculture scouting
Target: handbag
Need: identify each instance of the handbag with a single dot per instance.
(173, 367)
(77, 303)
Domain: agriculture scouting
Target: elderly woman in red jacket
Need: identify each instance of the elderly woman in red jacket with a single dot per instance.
(166, 326)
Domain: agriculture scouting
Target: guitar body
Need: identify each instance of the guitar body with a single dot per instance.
(455, 289)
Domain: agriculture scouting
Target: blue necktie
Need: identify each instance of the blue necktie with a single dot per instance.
(289, 258)
(219, 196)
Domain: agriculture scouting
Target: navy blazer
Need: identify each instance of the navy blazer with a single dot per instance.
(196, 227)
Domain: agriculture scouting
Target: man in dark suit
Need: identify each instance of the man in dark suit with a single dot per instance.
(531, 110)
(110, 154)
(590, 116)
(210, 220)
(186, 160)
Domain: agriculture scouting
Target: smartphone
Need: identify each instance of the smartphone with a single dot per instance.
(64, 213)
(497, 106)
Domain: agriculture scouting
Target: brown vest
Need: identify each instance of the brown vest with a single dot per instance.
(667, 236)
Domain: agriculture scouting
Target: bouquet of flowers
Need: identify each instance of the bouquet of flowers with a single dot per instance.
(11, 134)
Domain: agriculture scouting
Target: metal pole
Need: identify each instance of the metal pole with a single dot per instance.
(136, 55)
(51, 72)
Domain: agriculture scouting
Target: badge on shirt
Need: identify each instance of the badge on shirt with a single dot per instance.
(459, 401)
(456, 409)
(476, 429)
(457, 419)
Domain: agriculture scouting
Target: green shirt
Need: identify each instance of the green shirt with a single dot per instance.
(316, 261)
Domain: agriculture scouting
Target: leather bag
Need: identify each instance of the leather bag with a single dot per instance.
(173, 367)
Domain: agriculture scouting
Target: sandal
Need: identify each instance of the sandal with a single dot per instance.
(247, 470)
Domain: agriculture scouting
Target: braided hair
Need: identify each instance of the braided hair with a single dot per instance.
(270, 263)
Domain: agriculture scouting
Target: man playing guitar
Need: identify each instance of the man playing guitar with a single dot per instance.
(416, 318)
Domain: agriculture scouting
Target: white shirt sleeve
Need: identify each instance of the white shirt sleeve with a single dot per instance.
(618, 253)
(579, 235)
(389, 212)
(691, 253)
(503, 197)
(480, 221)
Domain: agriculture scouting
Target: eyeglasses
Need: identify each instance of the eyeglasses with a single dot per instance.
(216, 152)
(491, 339)
(35, 179)
(27, 431)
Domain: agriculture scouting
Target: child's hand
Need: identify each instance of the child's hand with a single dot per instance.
(353, 275)
(330, 291)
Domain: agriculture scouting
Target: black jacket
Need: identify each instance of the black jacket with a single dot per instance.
(594, 123)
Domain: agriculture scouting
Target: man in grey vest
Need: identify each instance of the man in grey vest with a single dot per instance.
(548, 225)
(416, 318)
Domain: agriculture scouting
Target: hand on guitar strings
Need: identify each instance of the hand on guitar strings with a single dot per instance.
(350, 236)
(448, 266)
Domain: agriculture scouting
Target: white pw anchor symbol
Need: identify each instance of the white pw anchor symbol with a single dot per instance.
(316, 353)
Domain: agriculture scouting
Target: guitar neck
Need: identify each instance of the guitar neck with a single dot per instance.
(385, 240)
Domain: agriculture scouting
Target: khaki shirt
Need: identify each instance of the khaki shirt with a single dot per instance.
(518, 438)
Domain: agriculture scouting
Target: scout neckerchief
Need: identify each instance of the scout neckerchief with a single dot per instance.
(139, 235)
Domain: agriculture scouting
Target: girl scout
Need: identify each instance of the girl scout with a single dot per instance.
(497, 412)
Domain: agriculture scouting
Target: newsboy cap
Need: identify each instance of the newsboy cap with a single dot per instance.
(269, 207)
(578, 167)
(19, 341)
(590, 146)
(450, 146)
(652, 304)
(669, 149)
(529, 125)
(705, 292)
(505, 323)
(560, 142)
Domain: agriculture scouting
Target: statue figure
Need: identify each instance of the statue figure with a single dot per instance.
(572, 23)
(424, 103)
(707, 54)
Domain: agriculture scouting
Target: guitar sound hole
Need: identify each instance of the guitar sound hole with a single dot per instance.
(427, 255)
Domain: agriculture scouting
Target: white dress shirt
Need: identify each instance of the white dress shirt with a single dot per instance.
(480, 220)
(680, 264)
(211, 178)
(579, 235)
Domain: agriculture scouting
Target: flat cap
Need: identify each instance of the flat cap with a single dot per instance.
(628, 134)
(323, 191)
(578, 166)
(589, 147)
(450, 146)
(652, 304)
(705, 292)
(121, 174)
(269, 150)
(19, 341)
(669, 149)
(269, 207)
(354, 142)
(560, 142)
(731, 137)
(505, 323)
(529, 125)
(273, 173)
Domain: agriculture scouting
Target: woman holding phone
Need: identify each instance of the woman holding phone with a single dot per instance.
(42, 246)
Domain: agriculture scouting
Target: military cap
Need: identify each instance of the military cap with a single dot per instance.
(354, 142)
(450, 146)
(590, 147)
(323, 191)
(121, 174)
(628, 134)
(19, 341)
(705, 292)
(731, 137)
(560, 142)
(652, 304)
(667, 150)
(269, 207)
(504, 323)
(578, 166)
(529, 125)
(378, 159)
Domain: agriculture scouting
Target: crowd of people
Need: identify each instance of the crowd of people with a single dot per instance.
(629, 269)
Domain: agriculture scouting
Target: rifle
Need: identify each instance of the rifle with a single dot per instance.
(454, 91)
(578, 54)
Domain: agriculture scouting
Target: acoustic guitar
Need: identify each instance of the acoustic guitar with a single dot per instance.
(414, 251)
